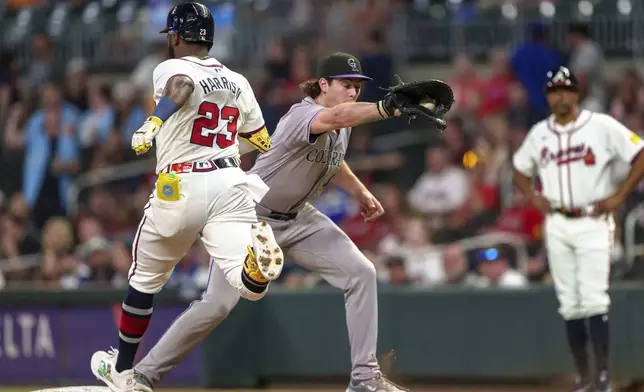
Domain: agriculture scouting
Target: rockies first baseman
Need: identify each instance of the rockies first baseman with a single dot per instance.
(308, 151)
(202, 108)
(572, 151)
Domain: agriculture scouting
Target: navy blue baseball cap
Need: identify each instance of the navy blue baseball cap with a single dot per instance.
(341, 66)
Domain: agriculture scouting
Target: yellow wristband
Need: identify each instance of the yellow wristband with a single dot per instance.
(155, 120)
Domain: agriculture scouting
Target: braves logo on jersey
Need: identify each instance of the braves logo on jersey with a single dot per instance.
(579, 152)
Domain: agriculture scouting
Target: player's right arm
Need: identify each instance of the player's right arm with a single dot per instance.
(346, 115)
(172, 90)
(524, 162)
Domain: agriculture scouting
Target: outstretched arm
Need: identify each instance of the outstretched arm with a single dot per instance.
(348, 114)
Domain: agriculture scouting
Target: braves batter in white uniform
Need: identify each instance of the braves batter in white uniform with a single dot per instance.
(308, 153)
(571, 152)
(202, 108)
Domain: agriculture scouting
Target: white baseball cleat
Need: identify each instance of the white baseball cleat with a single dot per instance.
(270, 258)
(103, 365)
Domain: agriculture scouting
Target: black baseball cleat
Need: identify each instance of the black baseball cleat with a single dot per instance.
(582, 384)
(602, 382)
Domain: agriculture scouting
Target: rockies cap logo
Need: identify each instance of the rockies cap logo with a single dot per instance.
(354, 66)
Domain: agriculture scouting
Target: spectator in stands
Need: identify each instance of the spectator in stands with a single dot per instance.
(130, 113)
(521, 219)
(480, 209)
(441, 189)
(496, 152)
(456, 142)
(587, 63)
(377, 62)
(103, 262)
(16, 239)
(13, 148)
(141, 78)
(467, 86)
(97, 122)
(397, 272)
(58, 268)
(76, 79)
(42, 68)
(494, 270)
(497, 86)
(369, 164)
(456, 266)
(628, 99)
(530, 63)
(518, 110)
(422, 259)
(51, 155)
(277, 61)
(9, 82)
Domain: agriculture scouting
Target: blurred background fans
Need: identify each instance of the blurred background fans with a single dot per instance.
(80, 71)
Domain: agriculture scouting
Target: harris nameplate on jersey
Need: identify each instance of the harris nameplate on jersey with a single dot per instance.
(216, 83)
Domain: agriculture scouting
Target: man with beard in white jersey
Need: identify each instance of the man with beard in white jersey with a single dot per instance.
(571, 152)
(202, 110)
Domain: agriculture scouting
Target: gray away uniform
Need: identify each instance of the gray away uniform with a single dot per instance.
(296, 168)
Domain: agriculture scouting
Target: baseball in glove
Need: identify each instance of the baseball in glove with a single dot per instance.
(431, 98)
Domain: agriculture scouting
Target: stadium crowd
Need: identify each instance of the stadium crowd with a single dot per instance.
(62, 122)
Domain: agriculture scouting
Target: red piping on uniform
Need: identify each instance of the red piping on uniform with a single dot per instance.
(135, 249)
(575, 129)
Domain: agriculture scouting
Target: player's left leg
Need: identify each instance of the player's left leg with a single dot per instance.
(564, 268)
(154, 257)
(345, 267)
(593, 247)
(243, 248)
(188, 330)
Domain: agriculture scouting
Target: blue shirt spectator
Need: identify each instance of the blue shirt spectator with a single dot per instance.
(531, 62)
(51, 153)
(98, 121)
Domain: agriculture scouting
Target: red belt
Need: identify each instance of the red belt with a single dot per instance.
(201, 167)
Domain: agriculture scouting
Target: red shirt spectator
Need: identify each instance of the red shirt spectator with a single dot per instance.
(522, 219)
(466, 84)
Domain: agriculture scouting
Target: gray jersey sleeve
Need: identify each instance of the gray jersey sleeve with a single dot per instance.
(296, 126)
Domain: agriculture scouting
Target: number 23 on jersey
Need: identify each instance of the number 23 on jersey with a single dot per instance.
(205, 129)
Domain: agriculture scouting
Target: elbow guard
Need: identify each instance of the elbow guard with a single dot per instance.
(259, 140)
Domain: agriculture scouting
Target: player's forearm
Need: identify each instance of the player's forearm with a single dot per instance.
(348, 181)
(524, 183)
(634, 176)
(345, 115)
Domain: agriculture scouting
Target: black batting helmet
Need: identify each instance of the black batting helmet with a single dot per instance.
(192, 22)
(561, 78)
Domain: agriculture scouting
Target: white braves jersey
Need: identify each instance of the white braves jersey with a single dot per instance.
(574, 161)
(221, 106)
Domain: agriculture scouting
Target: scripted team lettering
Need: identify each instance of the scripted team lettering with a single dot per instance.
(579, 152)
(322, 156)
(208, 85)
(26, 335)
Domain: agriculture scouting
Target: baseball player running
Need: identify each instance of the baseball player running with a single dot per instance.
(201, 109)
(572, 151)
(308, 152)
